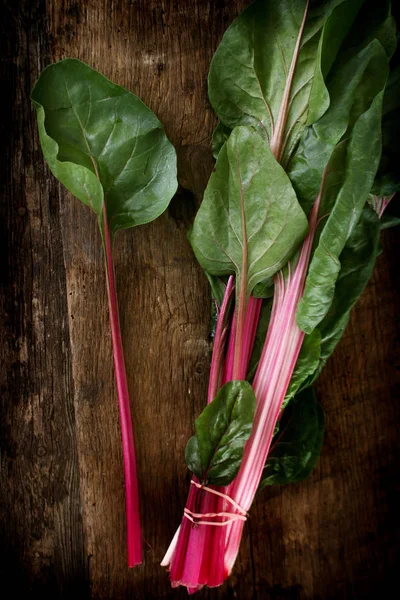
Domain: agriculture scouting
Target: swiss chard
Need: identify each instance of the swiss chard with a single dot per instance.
(112, 153)
(298, 87)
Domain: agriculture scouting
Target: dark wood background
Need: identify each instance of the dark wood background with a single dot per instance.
(62, 498)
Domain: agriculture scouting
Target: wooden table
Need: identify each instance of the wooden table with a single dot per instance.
(62, 497)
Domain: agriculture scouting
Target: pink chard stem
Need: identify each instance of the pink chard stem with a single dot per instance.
(134, 538)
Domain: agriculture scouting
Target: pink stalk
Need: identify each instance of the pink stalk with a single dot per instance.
(134, 540)
(196, 554)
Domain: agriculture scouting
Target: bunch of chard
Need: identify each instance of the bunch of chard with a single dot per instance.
(287, 234)
(112, 153)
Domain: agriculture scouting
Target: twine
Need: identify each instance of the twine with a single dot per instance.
(193, 517)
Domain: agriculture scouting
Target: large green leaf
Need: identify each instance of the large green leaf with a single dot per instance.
(214, 454)
(297, 447)
(249, 222)
(104, 144)
(362, 159)
(252, 65)
(357, 263)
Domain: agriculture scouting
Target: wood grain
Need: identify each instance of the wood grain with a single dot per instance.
(61, 491)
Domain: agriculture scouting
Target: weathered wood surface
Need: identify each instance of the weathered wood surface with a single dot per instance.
(62, 498)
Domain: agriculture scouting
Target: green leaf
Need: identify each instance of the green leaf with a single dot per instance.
(250, 68)
(104, 144)
(220, 134)
(214, 454)
(357, 263)
(353, 85)
(249, 204)
(306, 365)
(295, 451)
(361, 159)
(334, 32)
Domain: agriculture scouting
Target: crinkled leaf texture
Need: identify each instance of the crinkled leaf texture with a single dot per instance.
(214, 454)
(104, 144)
(297, 447)
(249, 201)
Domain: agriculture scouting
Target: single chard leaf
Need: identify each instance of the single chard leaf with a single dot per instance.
(104, 144)
(214, 454)
(296, 450)
(249, 222)
(262, 72)
(111, 152)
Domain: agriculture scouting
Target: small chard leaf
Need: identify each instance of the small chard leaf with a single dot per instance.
(251, 69)
(306, 365)
(214, 454)
(104, 144)
(249, 222)
(297, 447)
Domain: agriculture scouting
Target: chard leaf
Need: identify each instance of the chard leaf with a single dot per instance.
(297, 447)
(362, 158)
(249, 222)
(306, 365)
(104, 144)
(357, 75)
(214, 454)
(357, 263)
(251, 69)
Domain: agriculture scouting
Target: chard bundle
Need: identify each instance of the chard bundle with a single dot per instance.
(287, 234)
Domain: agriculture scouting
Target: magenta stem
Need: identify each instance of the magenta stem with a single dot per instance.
(133, 529)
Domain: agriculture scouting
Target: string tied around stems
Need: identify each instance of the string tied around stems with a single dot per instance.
(231, 517)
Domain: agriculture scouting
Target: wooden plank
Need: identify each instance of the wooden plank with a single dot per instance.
(63, 517)
(42, 535)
